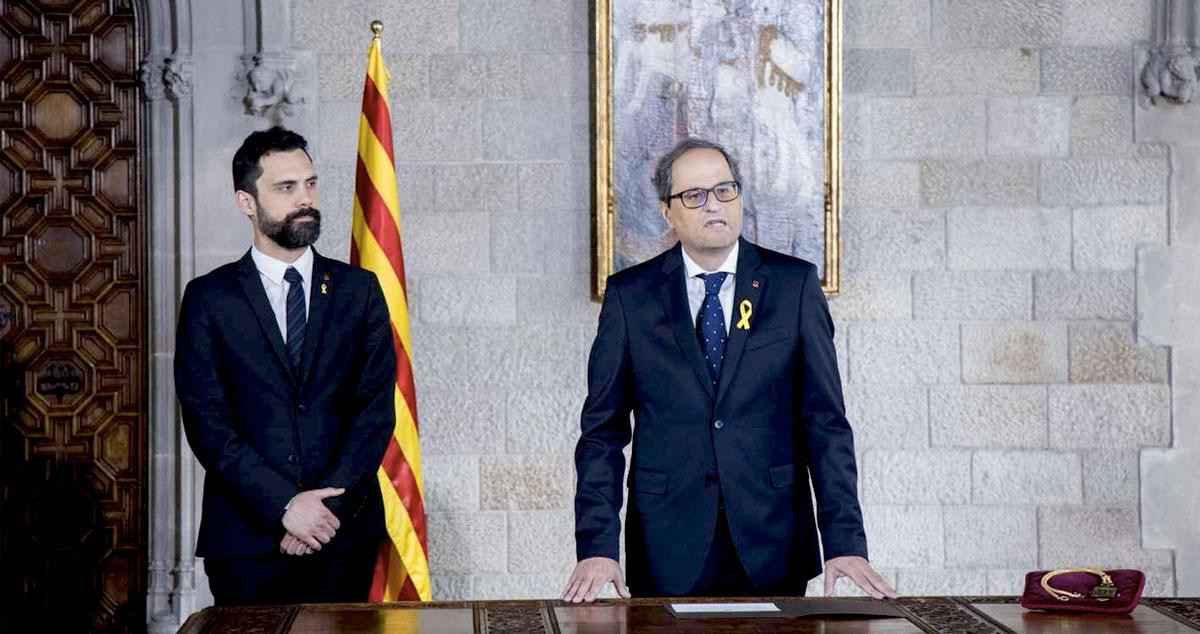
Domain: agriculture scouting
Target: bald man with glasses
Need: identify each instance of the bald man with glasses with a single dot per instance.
(723, 353)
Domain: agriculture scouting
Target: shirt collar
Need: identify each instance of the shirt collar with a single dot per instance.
(729, 265)
(273, 269)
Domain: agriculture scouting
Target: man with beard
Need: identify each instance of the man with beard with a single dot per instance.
(285, 372)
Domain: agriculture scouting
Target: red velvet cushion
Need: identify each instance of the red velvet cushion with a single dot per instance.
(1129, 584)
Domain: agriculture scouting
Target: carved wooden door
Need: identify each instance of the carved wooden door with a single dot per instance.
(73, 293)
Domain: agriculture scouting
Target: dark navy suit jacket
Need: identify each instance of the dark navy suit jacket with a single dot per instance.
(262, 434)
(775, 419)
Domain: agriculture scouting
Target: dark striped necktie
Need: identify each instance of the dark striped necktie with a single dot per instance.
(296, 316)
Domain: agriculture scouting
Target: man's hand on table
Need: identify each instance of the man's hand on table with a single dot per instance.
(590, 577)
(858, 570)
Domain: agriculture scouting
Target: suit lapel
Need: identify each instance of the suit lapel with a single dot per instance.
(750, 283)
(673, 292)
(320, 290)
(253, 289)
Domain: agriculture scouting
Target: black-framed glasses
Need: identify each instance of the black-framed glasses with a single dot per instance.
(698, 196)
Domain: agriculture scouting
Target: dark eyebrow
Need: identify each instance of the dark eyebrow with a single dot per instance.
(284, 182)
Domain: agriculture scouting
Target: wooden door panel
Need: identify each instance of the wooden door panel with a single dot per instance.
(72, 317)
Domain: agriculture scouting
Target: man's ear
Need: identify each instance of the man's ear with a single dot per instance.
(245, 202)
(665, 209)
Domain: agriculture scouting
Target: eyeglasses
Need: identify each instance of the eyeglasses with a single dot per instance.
(697, 197)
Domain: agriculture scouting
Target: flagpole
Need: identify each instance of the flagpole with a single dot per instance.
(402, 566)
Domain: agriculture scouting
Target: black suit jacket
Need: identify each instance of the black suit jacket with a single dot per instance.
(775, 419)
(262, 434)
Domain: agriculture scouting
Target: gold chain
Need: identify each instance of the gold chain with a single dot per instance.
(1103, 592)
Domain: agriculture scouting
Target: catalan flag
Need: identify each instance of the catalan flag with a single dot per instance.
(402, 569)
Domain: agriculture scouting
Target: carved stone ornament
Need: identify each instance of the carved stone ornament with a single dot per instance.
(150, 76)
(177, 75)
(1172, 62)
(166, 77)
(1169, 78)
(272, 86)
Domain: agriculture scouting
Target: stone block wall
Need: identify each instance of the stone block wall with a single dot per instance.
(490, 113)
(993, 200)
(994, 204)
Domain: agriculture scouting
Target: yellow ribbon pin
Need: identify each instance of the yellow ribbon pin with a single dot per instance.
(745, 309)
(324, 289)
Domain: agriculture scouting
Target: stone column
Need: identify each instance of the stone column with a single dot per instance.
(166, 76)
(272, 73)
(191, 136)
(1168, 285)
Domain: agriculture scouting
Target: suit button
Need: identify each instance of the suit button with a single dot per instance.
(303, 408)
(719, 423)
(292, 459)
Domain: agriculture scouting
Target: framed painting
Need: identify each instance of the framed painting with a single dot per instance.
(760, 77)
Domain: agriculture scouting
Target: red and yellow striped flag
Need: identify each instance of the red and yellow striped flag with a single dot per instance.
(402, 570)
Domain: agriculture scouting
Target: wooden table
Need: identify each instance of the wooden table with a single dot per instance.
(982, 615)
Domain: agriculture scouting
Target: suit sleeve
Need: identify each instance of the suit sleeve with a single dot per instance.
(374, 420)
(208, 421)
(828, 438)
(604, 433)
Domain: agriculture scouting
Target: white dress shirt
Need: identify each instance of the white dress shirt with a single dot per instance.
(695, 285)
(271, 271)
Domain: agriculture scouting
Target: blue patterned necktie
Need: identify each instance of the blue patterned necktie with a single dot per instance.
(711, 324)
(296, 316)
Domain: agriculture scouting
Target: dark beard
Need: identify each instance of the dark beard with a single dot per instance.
(289, 233)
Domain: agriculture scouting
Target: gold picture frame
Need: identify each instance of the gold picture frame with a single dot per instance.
(604, 205)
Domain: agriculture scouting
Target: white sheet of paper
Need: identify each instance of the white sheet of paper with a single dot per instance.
(725, 607)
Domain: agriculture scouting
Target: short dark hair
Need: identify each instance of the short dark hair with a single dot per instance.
(247, 165)
(662, 171)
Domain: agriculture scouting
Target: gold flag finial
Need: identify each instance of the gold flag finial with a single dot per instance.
(376, 28)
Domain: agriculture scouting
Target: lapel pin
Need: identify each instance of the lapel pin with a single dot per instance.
(324, 289)
(745, 309)
(753, 283)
